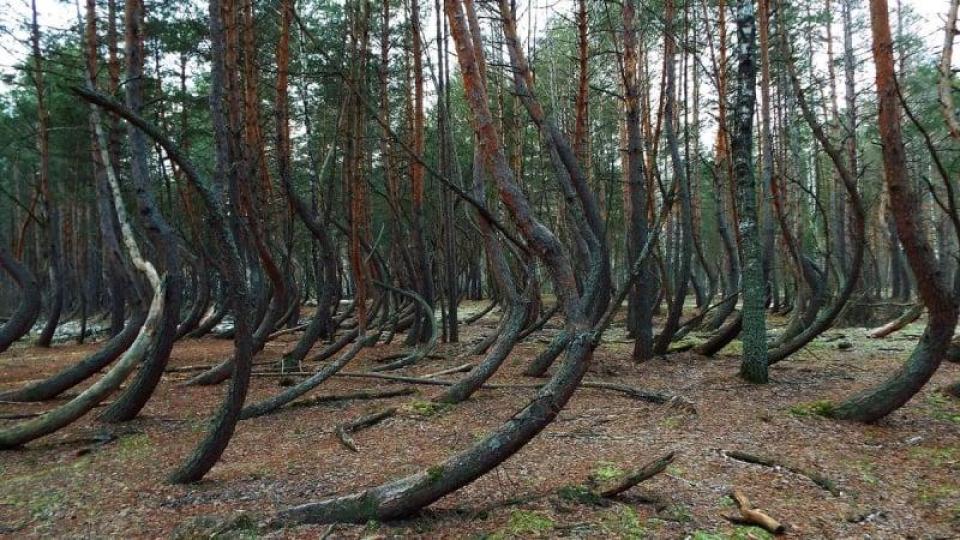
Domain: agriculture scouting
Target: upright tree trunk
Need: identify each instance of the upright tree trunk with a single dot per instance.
(54, 232)
(423, 271)
(753, 366)
(642, 298)
(682, 268)
(766, 160)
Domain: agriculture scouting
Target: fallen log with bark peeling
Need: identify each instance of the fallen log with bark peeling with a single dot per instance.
(753, 516)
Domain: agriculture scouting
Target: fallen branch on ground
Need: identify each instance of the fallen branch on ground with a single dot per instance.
(813, 476)
(361, 394)
(448, 371)
(344, 430)
(637, 393)
(752, 516)
(204, 367)
(286, 331)
(649, 470)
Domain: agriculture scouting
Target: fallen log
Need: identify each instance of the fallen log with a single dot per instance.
(344, 430)
(899, 323)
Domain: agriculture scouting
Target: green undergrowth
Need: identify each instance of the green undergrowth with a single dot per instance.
(428, 408)
(524, 524)
(622, 521)
(820, 407)
(943, 408)
(580, 494)
(606, 471)
(741, 532)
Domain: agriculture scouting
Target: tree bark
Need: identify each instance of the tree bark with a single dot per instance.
(28, 309)
(753, 366)
(874, 403)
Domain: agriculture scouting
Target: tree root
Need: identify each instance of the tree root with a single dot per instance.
(344, 430)
(815, 477)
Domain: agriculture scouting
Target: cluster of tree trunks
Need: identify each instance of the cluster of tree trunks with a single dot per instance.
(403, 235)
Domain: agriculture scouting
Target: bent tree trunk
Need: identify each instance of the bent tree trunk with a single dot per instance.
(897, 324)
(271, 404)
(875, 403)
(407, 495)
(209, 450)
(88, 399)
(29, 307)
(200, 303)
(56, 384)
(506, 340)
(227, 226)
(62, 416)
(161, 235)
(857, 230)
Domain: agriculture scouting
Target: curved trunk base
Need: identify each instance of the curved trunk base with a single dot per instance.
(408, 495)
(56, 384)
(875, 403)
(727, 333)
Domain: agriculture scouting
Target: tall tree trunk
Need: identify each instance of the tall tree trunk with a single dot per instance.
(875, 403)
(424, 274)
(161, 235)
(54, 232)
(642, 296)
(682, 268)
(766, 160)
(753, 366)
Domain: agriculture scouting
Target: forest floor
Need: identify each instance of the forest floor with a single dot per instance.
(895, 479)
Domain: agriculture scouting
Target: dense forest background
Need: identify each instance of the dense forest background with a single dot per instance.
(614, 197)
